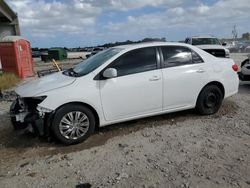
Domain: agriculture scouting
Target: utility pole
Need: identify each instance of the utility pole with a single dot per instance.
(235, 33)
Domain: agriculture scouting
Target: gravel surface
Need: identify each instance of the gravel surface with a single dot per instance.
(173, 150)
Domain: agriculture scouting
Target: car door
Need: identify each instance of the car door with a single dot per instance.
(184, 75)
(137, 89)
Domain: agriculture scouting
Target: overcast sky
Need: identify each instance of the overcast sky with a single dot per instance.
(74, 23)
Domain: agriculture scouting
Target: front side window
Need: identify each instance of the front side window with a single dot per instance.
(136, 61)
(176, 56)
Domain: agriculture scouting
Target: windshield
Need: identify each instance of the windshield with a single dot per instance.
(202, 41)
(95, 61)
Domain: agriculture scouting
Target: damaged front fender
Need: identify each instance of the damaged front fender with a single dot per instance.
(27, 114)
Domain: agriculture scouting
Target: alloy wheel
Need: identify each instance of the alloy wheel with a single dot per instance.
(74, 125)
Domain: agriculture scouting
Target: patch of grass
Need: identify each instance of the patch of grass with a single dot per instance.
(8, 80)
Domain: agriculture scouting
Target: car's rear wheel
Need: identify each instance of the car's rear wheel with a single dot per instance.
(73, 123)
(209, 100)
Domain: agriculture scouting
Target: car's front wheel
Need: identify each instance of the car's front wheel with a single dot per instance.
(209, 100)
(73, 123)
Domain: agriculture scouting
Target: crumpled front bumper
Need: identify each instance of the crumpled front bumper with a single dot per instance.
(22, 118)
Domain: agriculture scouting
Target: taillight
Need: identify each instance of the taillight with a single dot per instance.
(235, 67)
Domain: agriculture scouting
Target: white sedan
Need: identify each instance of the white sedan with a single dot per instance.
(121, 84)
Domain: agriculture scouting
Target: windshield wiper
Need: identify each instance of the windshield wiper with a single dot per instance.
(71, 72)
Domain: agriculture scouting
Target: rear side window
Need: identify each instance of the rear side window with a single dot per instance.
(176, 56)
(196, 58)
(136, 61)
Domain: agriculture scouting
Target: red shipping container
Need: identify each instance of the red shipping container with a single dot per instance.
(16, 56)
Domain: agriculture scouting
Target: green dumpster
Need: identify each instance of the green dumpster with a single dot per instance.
(57, 53)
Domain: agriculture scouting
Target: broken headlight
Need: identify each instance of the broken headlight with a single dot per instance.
(44, 110)
(30, 102)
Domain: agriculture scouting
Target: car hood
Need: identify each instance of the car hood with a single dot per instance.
(37, 86)
(210, 47)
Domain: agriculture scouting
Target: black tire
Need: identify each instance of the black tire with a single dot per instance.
(209, 100)
(61, 112)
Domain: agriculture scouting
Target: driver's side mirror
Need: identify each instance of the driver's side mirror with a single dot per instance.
(110, 73)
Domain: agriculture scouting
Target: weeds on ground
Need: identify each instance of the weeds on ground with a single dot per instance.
(8, 80)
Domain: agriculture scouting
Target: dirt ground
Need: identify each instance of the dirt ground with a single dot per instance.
(173, 150)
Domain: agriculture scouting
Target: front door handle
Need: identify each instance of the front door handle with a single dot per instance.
(200, 71)
(154, 78)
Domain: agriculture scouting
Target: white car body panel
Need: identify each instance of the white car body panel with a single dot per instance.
(181, 87)
(226, 76)
(81, 91)
(137, 95)
(131, 95)
(47, 83)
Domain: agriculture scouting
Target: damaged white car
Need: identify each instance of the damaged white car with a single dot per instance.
(121, 84)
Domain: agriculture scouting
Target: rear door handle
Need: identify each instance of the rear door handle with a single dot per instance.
(154, 78)
(200, 71)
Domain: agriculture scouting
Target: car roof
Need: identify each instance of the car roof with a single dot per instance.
(151, 44)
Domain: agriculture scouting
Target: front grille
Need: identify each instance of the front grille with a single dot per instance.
(216, 52)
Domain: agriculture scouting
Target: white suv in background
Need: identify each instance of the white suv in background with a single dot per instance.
(209, 44)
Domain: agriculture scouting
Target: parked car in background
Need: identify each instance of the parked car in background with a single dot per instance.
(237, 47)
(124, 83)
(247, 49)
(209, 44)
(35, 52)
(244, 74)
